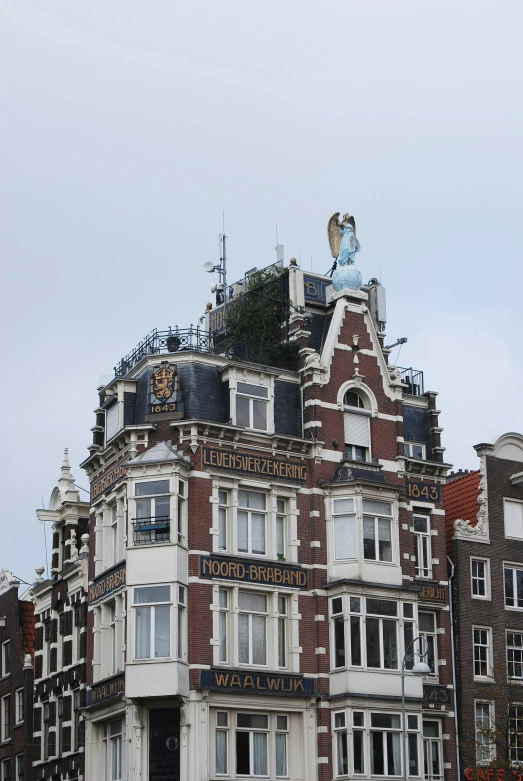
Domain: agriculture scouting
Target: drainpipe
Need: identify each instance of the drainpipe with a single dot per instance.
(453, 663)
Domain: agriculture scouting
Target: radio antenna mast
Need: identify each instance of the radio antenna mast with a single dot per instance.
(223, 269)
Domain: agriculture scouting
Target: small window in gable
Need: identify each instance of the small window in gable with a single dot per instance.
(513, 512)
(353, 399)
(357, 427)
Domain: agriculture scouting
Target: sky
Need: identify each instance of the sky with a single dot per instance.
(127, 129)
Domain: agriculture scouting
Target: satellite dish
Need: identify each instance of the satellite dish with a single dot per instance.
(208, 266)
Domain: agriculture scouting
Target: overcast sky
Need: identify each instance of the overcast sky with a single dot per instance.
(128, 127)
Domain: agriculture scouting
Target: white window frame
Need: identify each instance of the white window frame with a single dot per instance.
(252, 397)
(486, 578)
(490, 746)
(518, 706)
(19, 767)
(408, 445)
(182, 504)
(19, 706)
(225, 721)
(6, 726)
(6, 655)
(226, 613)
(434, 635)
(181, 624)
(519, 503)
(152, 631)
(517, 649)
(114, 405)
(357, 618)
(515, 567)
(428, 743)
(357, 513)
(7, 762)
(423, 568)
(488, 646)
(152, 518)
(225, 519)
(250, 512)
(112, 743)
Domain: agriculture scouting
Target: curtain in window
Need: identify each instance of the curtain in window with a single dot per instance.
(259, 747)
(259, 642)
(243, 534)
(143, 633)
(258, 532)
(344, 537)
(394, 753)
(223, 637)
(281, 754)
(341, 751)
(356, 429)
(243, 639)
(162, 631)
(221, 751)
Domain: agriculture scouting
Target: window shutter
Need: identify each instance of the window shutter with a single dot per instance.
(356, 429)
(37, 719)
(514, 519)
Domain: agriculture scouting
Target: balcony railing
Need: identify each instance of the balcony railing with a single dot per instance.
(413, 378)
(281, 356)
(149, 531)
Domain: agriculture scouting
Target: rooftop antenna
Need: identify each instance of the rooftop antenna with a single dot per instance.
(279, 250)
(221, 268)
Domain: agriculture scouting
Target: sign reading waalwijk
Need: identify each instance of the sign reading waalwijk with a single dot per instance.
(221, 679)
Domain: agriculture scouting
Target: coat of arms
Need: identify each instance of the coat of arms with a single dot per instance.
(164, 382)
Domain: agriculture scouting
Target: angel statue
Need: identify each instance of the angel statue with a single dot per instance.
(344, 245)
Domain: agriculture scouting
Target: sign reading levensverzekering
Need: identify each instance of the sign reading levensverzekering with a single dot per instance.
(255, 465)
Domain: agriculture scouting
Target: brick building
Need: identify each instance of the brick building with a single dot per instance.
(60, 605)
(485, 542)
(267, 537)
(17, 633)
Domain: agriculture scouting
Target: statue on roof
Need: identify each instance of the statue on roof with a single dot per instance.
(344, 245)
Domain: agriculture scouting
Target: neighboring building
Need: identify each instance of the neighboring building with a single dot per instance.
(17, 634)
(60, 606)
(266, 538)
(485, 542)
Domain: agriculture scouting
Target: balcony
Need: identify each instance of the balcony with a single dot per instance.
(281, 356)
(413, 378)
(150, 531)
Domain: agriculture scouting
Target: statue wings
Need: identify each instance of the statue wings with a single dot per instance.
(333, 231)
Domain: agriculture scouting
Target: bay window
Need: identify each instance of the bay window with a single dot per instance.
(245, 634)
(152, 517)
(251, 744)
(363, 529)
(152, 622)
(365, 632)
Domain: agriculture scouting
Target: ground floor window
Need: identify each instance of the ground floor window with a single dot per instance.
(432, 750)
(112, 750)
(251, 744)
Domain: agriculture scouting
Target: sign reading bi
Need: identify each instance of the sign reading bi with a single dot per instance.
(249, 571)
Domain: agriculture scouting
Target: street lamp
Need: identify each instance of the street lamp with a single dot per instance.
(419, 668)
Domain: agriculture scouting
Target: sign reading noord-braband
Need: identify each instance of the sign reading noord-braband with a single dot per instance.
(249, 571)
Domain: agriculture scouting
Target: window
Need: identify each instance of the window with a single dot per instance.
(111, 421)
(152, 614)
(371, 643)
(6, 717)
(484, 736)
(223, 519)
(244, 749)
(414, 450)
(112, 750)
(371, 540)
(422, 548)
(280, 528)
(357, 427)
(60, 728)
(513, 577)
(20, 767)
(252, 628)
(515, 655)
(76, 721)
(114, 534)
(182, 605)
(6, 770)
(258, 642)
(385, 744)
(432, 751)
(6, 658)
(45, 736)
(482, 652)
(252, 406)
(113, 643)
(182, 510)
(19, 705)
(251, 522)
(152, 522)
(513, 513)
(78, 630)
(479, 577)
(427, 630)
(377, 531)
(516, 734)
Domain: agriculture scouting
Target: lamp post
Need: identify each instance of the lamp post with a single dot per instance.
(419, 668)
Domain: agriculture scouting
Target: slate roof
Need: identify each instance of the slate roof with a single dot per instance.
(461, 500)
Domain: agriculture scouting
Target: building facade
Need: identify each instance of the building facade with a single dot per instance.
(485, 539)
(60, 605)
(17, 634)
(267, 539)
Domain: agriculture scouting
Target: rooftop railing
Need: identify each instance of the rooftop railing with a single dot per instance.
(413, 378)
(194, 339)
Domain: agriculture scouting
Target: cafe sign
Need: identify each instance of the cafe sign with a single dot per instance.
(249, 571)
(493, 774)
(254, 465)
(220, 679)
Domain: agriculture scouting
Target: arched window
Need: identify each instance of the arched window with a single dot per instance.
(357, 426)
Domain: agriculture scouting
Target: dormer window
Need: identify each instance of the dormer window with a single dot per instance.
(414, 450)
(252, 406)
(111, 420)
(357, 426)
